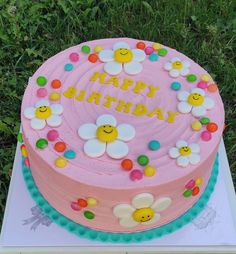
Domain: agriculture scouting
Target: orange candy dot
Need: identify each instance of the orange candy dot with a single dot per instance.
(127, 164)
(212, 127)
(82, 202)
(195, 191)
(140, 45)
(93, 58)
(60, 146)
(23, 150)
(56, 83)
(212, 88)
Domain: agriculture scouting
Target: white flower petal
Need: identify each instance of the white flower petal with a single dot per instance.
(94, 148)
(113, 68)
(87, 131)
(183, 161)
(174, 73)
(54, 121)
(183, 96)
(106, 55)
(184, 71)
(106, 119)
(198, 90)
(161, 204)
(117, 149)
(123, 210)
(174, 152)
(56, 109)
(174, 59)
(186, 64)
(128, 222)
(184, 107)
(181, 143)
(168, 66)
(155, 219)
(120, 45)
(195, 148)
(198, 111)
(142, 200)
(29, 113)
(208, 103)
(138, 55)
(194, 158)
(42, 103)
(37, 124)
(133, 67)
(126, 132)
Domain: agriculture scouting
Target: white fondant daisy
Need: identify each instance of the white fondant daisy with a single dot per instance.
(176, 67)
(122, 57)
(43, 113)
(144, 210)
(196, 102)
(185, 154)
(106, 136)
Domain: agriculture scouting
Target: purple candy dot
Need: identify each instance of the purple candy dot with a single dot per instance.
(52, 135)
(202, 85)
(135, 175)
(206, 135)
(42, 92)
(27, 162)
(75, 206)
(149, 50)
(74, 57)
(190, 184)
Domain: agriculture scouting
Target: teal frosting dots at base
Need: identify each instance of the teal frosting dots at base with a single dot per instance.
(93, 234)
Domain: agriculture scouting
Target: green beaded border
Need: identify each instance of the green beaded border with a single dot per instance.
(93, 234)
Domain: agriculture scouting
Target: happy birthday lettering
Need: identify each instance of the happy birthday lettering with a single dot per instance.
(119, 105)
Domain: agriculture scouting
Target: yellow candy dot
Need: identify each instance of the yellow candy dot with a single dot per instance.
(55, 96)
(156, 45)
(98, 48)
(198, 182)
(149, 171)
(196, 125)
(60, 162)
(24, 152)
(205, 77)
(92, 201)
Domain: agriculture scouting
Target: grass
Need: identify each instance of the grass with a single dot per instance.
(32, 31)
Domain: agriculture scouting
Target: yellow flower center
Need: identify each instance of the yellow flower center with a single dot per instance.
(177, 65)
(185, 150)
(43, 112)
(123, 55)
(106, 133)
(143, 214)
(195, 99)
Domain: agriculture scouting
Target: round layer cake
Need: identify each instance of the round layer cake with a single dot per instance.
(121, 134)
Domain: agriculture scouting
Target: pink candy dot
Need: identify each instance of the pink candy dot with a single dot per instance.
(27, 162)
(42, 92)
(52, 135)
(202, 85)
(206, 135)
(190, 184)
(136, 175)
(149, 50)
(74, 57)
(75, 206)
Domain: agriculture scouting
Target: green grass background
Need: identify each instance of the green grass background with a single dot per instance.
(32, 31)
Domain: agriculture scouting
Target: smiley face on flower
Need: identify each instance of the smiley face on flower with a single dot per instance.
(43, 113)
(185, 154)
(106, 136)
(176, 67)
(144, 210)
(195, 102)
(122, 57)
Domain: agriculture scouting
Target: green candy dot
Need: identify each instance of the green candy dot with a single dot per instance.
(85, 49)
(143, 160)
(162, 52)
(191, 77)
(187, 193)
(41, 143)
(41, 81)
(204, 120)
(20, 137)
(89, 215)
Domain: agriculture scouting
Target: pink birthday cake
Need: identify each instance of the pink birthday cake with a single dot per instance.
(121, 134)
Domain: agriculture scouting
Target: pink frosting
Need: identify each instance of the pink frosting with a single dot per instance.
(103, 177)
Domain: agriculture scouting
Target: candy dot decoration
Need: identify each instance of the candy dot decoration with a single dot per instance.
(202, 84)
(98, 48)
(60, 162)
(143, 160)
(195, 191)
(156, 45)
(175, 86)
(82, 202)
(75, 206)
(196, 125)
(191, 78)
(149, 171)
(92, 201)
(56, 83)
(89, 215)
(190, 184)
(23, 150)
(187, 193)
(205, 77)
(212, 88)
(68, 67)
(154, 145)
(85, 49)
(153, 57)
(162, 52)
(204, 120)
(140, 45)
(41, 81)
(20, 137)
(206, 136)
(93, 58)
(74, 57)
(149, 50)
(60, 146)
(27, 162)
(42, 92)
(69, 154)
(41, 143)
(212, 127)
(127, 164)
(52, 135)
(136, 175)
(198, 181)
(54, 96)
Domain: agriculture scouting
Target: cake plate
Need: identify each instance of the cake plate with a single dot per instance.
(26, 230)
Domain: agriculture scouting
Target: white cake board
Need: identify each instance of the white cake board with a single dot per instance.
(213, 231)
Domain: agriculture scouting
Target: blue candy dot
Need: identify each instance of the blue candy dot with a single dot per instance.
(175, 86)
(153, 57)
(68, 67)
(154, 145)
(69, 154)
